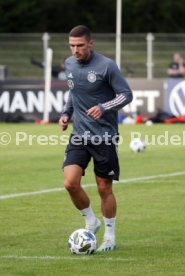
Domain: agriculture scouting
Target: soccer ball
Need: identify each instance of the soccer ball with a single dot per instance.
(137, 145)
(82, 241)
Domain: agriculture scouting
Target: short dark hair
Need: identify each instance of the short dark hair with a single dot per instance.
(81, 30)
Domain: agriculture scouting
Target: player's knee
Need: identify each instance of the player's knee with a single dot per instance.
(70, 186)
(104, 189)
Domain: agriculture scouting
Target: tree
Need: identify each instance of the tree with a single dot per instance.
(153, 16)
(62, 15)
(100, 15)
(19, 16)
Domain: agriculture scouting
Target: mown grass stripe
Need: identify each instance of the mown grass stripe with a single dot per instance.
(129, 180)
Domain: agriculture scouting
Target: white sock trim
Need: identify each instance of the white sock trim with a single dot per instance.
(88, 215)
(109, 228)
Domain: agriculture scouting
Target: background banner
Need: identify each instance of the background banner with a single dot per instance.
(23, 100)
(175, 96)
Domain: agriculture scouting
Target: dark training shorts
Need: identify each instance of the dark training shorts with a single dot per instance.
(105, 158)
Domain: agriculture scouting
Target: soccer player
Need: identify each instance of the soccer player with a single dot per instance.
(97, 92)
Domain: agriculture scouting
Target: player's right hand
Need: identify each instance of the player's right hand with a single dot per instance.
(63, 122)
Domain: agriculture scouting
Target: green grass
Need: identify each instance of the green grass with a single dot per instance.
(150, 219)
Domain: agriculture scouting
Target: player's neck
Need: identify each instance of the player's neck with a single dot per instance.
(87, 58)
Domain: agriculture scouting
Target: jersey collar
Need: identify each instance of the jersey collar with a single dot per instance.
(83, 62)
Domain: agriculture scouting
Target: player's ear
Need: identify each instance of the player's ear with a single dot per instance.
(91, 43)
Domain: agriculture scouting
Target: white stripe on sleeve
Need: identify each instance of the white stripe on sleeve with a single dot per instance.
(115, 102)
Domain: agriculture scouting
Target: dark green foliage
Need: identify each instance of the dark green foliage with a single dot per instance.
(153, 16)
(100, 15)
(19, 16)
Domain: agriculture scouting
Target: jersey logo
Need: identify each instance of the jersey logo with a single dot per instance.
(70, 84)
(91, 77)
(70, 76)
(111, 173)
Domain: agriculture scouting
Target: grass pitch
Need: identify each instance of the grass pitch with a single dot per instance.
(150, 196)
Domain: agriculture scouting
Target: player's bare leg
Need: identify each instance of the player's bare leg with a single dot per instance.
(108, 206)
(72, 179)
(108, 201)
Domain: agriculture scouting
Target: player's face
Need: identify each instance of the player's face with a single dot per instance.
(80, 47)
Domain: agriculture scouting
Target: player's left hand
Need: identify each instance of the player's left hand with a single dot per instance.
(94, 112)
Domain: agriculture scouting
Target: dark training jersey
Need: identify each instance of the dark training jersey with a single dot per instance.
(96, 81)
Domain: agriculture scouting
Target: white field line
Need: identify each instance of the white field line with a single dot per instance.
(129, 180)
(86, 258)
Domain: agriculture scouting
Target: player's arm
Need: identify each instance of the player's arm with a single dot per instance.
(121, 88)
(66, 114)
(122, 91)
(117, 103)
